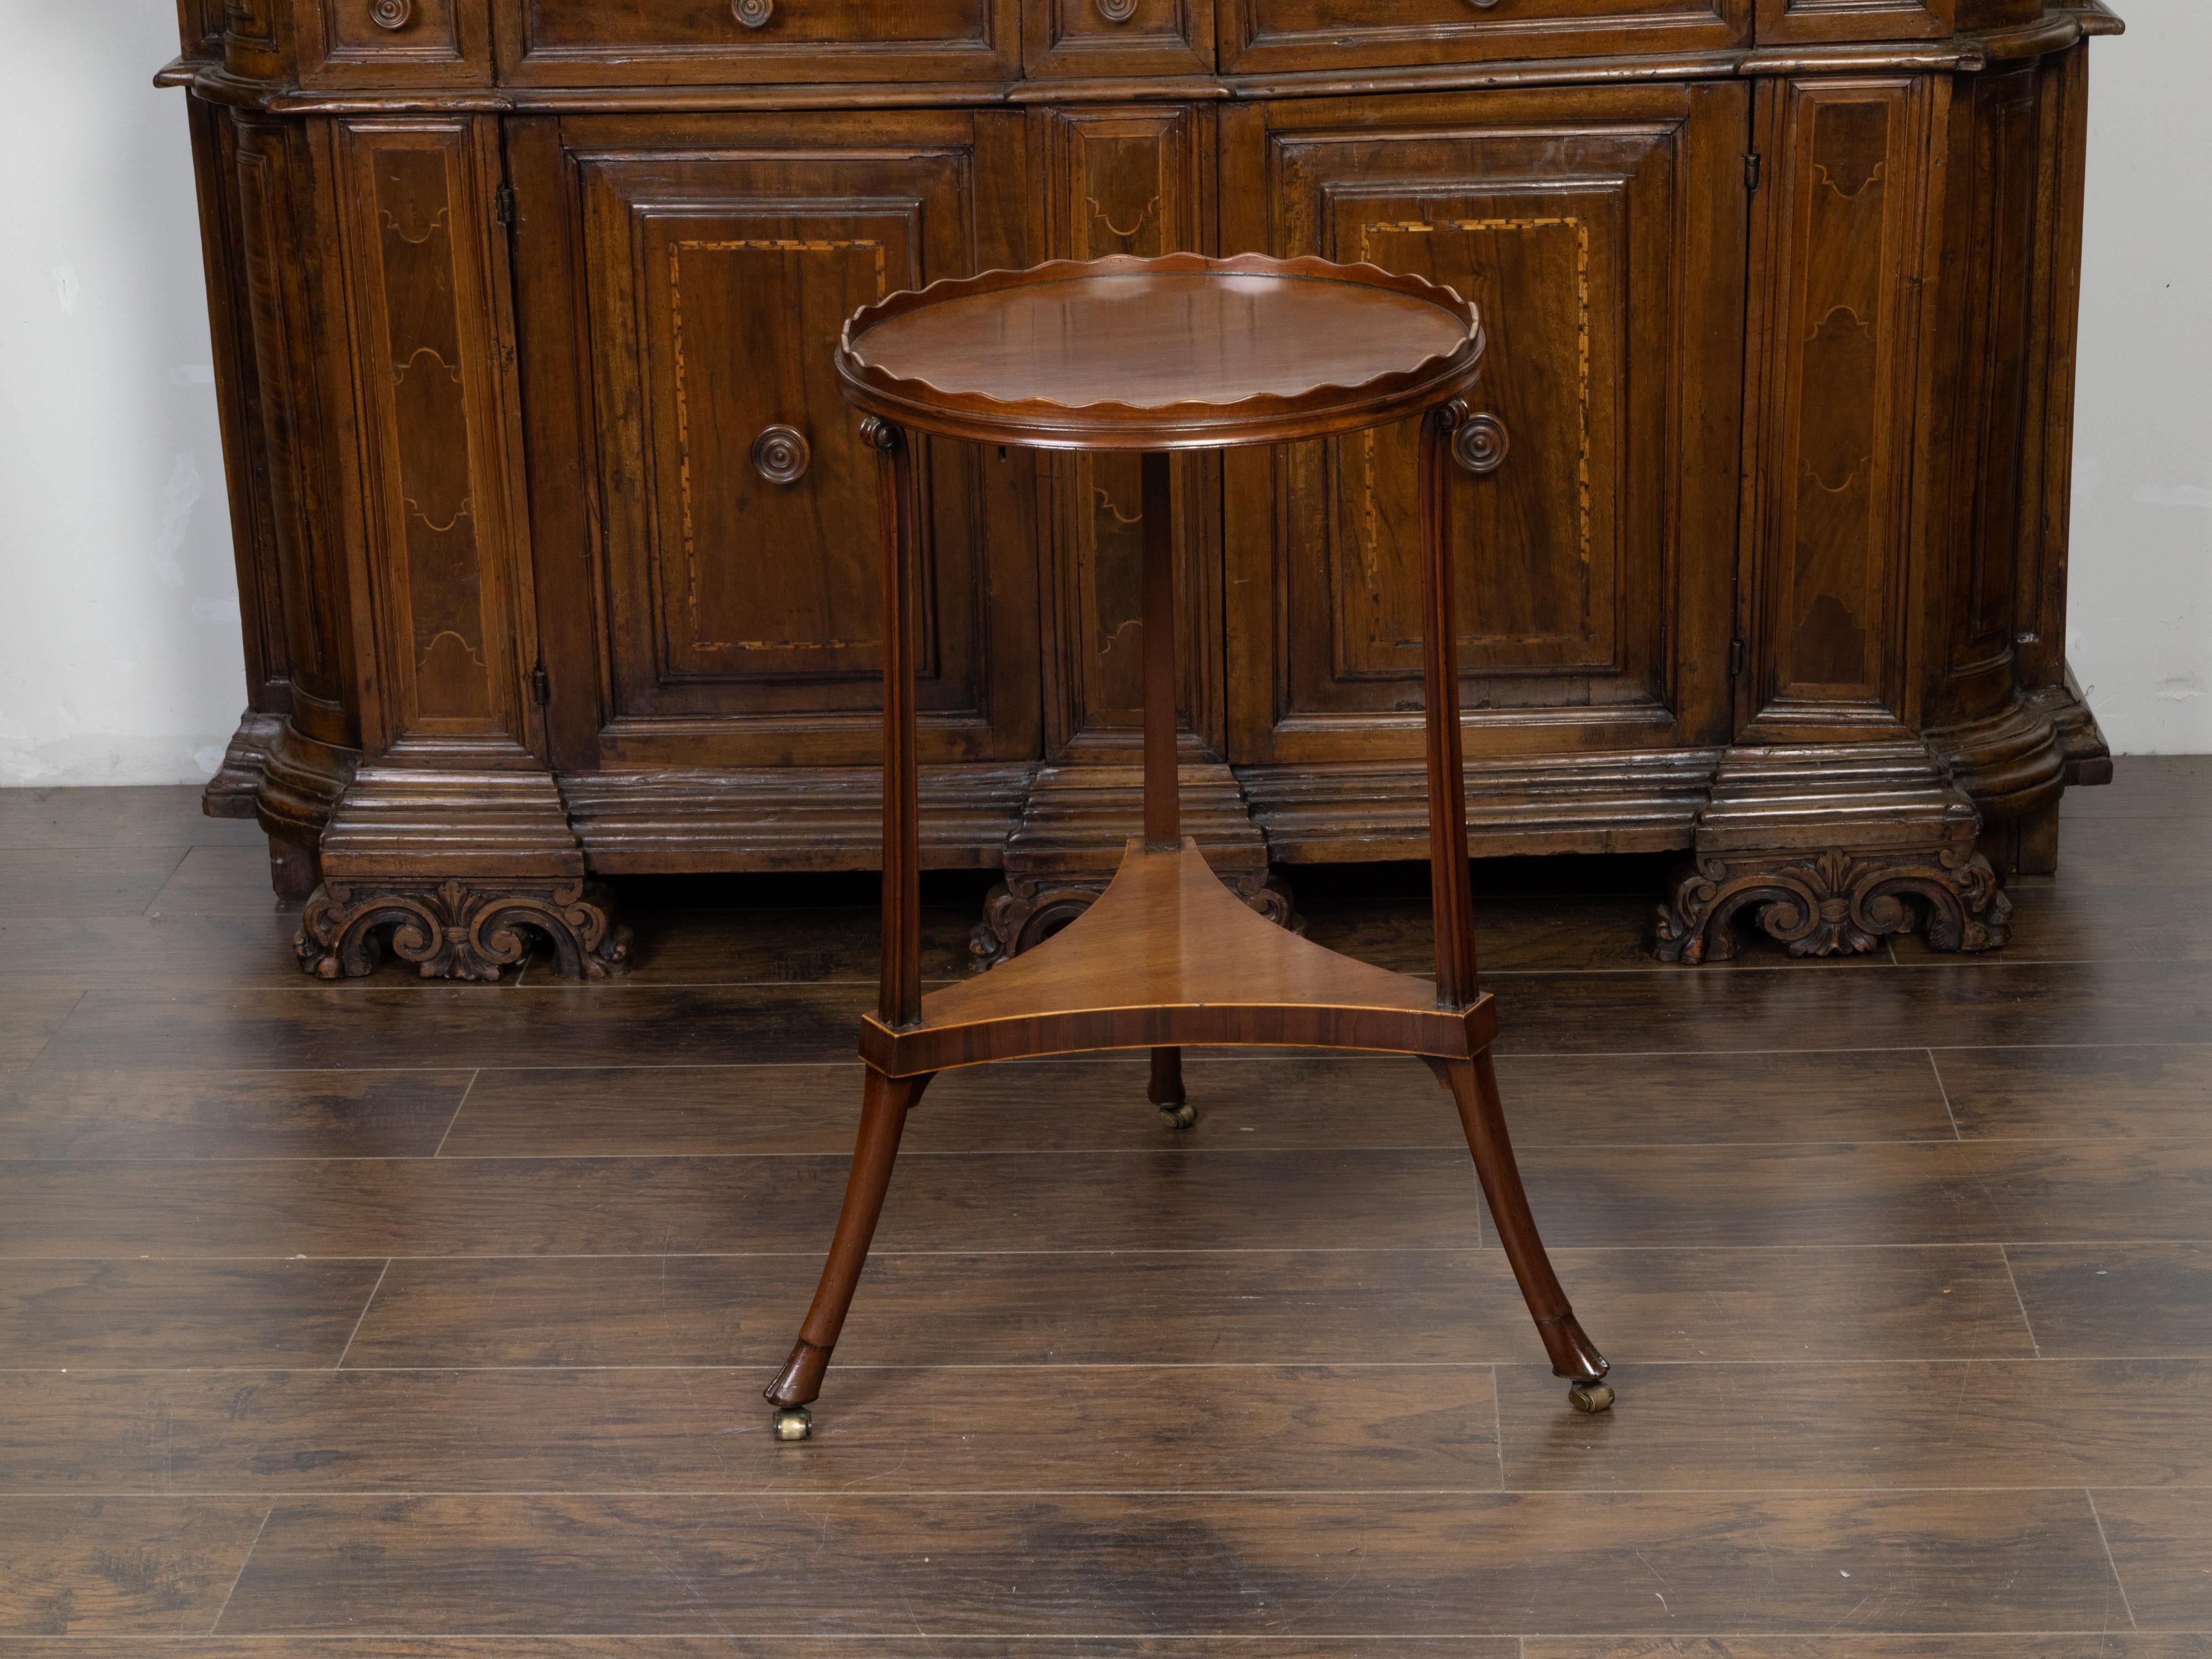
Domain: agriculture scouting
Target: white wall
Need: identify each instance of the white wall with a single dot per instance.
(119, 651)
(2139, 620)
(119, 648)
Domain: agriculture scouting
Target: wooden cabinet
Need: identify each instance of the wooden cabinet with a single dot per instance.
(552, 524)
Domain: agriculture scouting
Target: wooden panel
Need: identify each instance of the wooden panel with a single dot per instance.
(1127, 180)
(394, 42)
(1253, 1101)
(718, 262)
(1804, 22)
(89, 1567)
(1989, 436)
(199, 29)
(451, 621)
(1600, 234)
(1667, 1198)
(2149, 1300)
(1336, 1564)
(1222, 1428)
(1163, 1308)
(30, 1017)
(60, 881)
(1117, 37)
(237, 396)
(1853, 1645)
(271, 157)
(653, 42)
(2062, 125)
(229, 1114)
(2026, 1423)
(144, 1316)
(1258, 36)
(2030, 1004)
(216, 1208)
(1842, 241)
(256, 37)
(2157, 1541)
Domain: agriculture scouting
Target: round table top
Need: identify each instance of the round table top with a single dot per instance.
(1184, 352)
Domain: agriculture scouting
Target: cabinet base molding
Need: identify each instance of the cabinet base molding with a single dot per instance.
(795, 817)
(230, 793)
(2088, 756)
(303, 780)
(1609, 803)
(457, 929)
(1769, 844)
(458, 867)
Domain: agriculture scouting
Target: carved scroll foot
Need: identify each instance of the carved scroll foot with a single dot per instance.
(1024, 911)
(451, 930)
(1834, 902)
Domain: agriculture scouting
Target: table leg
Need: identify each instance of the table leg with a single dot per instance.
(896, 505)
(886, 1100)
(1162, 785)
(1473, 1083)
(1451, 885)
(883, 1106)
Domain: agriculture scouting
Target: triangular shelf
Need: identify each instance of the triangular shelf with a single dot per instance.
(1169, 956)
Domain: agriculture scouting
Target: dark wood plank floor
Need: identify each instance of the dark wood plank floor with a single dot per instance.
(391, 1320)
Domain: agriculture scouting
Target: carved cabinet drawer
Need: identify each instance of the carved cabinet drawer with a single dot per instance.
(1118, 37)
(374, 42)
(1267, 36)
(674, 42)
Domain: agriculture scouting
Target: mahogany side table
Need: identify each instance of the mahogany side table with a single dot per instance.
(1155, 356)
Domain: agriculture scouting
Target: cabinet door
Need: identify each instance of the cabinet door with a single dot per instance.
(692, 276)
(1602, 234)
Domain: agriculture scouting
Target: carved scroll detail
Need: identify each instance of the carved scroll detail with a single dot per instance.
(1835, 902)
(452, 930)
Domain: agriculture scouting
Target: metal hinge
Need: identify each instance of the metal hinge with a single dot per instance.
(1753, 164)
(541, 686)
(502, 204)
(1736, 654)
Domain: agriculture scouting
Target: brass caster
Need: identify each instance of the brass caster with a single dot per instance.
(1590, 1396)
(794, 1423)
(1179, 1116)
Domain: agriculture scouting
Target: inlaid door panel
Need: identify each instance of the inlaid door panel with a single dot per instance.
(1845, 244)
(1602, 236)
(738, 545)
(1120, 179)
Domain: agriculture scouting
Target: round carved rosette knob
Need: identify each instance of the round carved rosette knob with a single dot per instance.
(753, 13)
(390, 13)
(781, 454)
(1117, 11)
(1481, 444)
